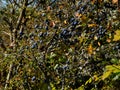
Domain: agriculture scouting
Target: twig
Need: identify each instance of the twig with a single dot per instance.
(8, 76)
(6, 33)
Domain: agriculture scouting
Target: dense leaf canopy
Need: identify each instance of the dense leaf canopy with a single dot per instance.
(59, 45)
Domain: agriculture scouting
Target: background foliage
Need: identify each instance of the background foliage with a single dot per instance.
(59, 45)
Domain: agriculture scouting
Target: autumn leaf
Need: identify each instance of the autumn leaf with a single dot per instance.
(92, 25)
(95, 38)
(90, 49)
(78, 15)
(65, 21)
(108, 40)
(117, 35)
(113, 68)
(114, 1)
(106, 75)
(88, 81)
(95, 77)
(99, 44)
(84, 19)
(110, 69)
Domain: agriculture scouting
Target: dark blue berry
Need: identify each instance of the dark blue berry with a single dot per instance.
(34, 45)
(46, 28)
(47, 21)
(36, 26)
(33, 78)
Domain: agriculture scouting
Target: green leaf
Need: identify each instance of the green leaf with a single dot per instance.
(114, 61)
(116, 77)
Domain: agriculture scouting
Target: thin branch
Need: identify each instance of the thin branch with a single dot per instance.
(6, 33)
(10, 1)
(7, 21)
(19, 21)
(8, 76)
(49, 43)
(21, 16)
(16, 3)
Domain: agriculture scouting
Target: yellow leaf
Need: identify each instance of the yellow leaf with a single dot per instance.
(78, 15)
(110, 69)
(84, 18)
(117, 35)
(82, 38)
(95, 38)
(92, 25)
(65, 22)
(95, 77)
(53, 87)
(88, 81)
(99, 44)
(29, 17)
(113, 68)
(108, 40)
(106, 75)
(90, 49)
(81, 87)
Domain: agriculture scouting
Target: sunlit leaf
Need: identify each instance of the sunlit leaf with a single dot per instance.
(108, 40)
(90, 49)
(95, 38)
(106, 75)
(114, 1)
(99, 44)
(88, 81)
(95, 78)
(82, 38)
(117, 35)
(52, 86)
(82, 87)
(65, 22)
(113, 68)
(84, 18)
(110, 69)
(92, 25)
(78, 15)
